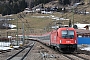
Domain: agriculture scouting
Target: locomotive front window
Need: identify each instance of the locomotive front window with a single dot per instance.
(67, 34)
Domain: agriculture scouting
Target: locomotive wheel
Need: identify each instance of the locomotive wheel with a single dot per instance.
(56, 48)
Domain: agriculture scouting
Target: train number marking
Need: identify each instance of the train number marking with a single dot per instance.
(68, 41)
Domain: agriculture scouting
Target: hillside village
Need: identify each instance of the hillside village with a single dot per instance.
(80, 7)
(72, 7)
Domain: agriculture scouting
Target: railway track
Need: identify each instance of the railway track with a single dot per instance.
(75, 57)
(78, 55)
(42, 52)
(20, 55)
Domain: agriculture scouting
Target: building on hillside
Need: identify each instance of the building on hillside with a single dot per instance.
(83, 26)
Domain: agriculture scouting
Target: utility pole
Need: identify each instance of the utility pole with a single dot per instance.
(17, 32)
(73, 16)
(70, 24)
(23, 33)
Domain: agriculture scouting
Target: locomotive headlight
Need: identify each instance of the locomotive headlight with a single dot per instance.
(60, 41)
(75, 41)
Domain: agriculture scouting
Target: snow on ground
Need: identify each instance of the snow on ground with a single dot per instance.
(5, 48)
(87, 48)
(12, 26)
(84, 47)
(41, 16)
(81, 26)
(16, 46)
(4, 44)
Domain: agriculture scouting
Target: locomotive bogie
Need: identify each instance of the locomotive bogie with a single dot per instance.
(68, 48)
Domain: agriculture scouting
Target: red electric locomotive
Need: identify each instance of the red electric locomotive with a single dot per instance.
(64, 39)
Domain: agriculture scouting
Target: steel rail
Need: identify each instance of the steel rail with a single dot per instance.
(76, 56)
(27, 51)
(30, 45)
(68, 57)
(80, 57)
(15, 54)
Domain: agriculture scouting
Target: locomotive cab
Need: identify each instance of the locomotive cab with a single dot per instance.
(65, 39)
(68, 39)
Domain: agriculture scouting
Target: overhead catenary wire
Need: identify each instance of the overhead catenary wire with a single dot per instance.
(19, 17)
(22, 25)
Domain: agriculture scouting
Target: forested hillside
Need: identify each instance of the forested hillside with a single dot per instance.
(16, 6)
(12, 6)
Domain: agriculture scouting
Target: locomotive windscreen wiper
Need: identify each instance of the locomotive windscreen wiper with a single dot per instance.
(71, 36)
(66, 36)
